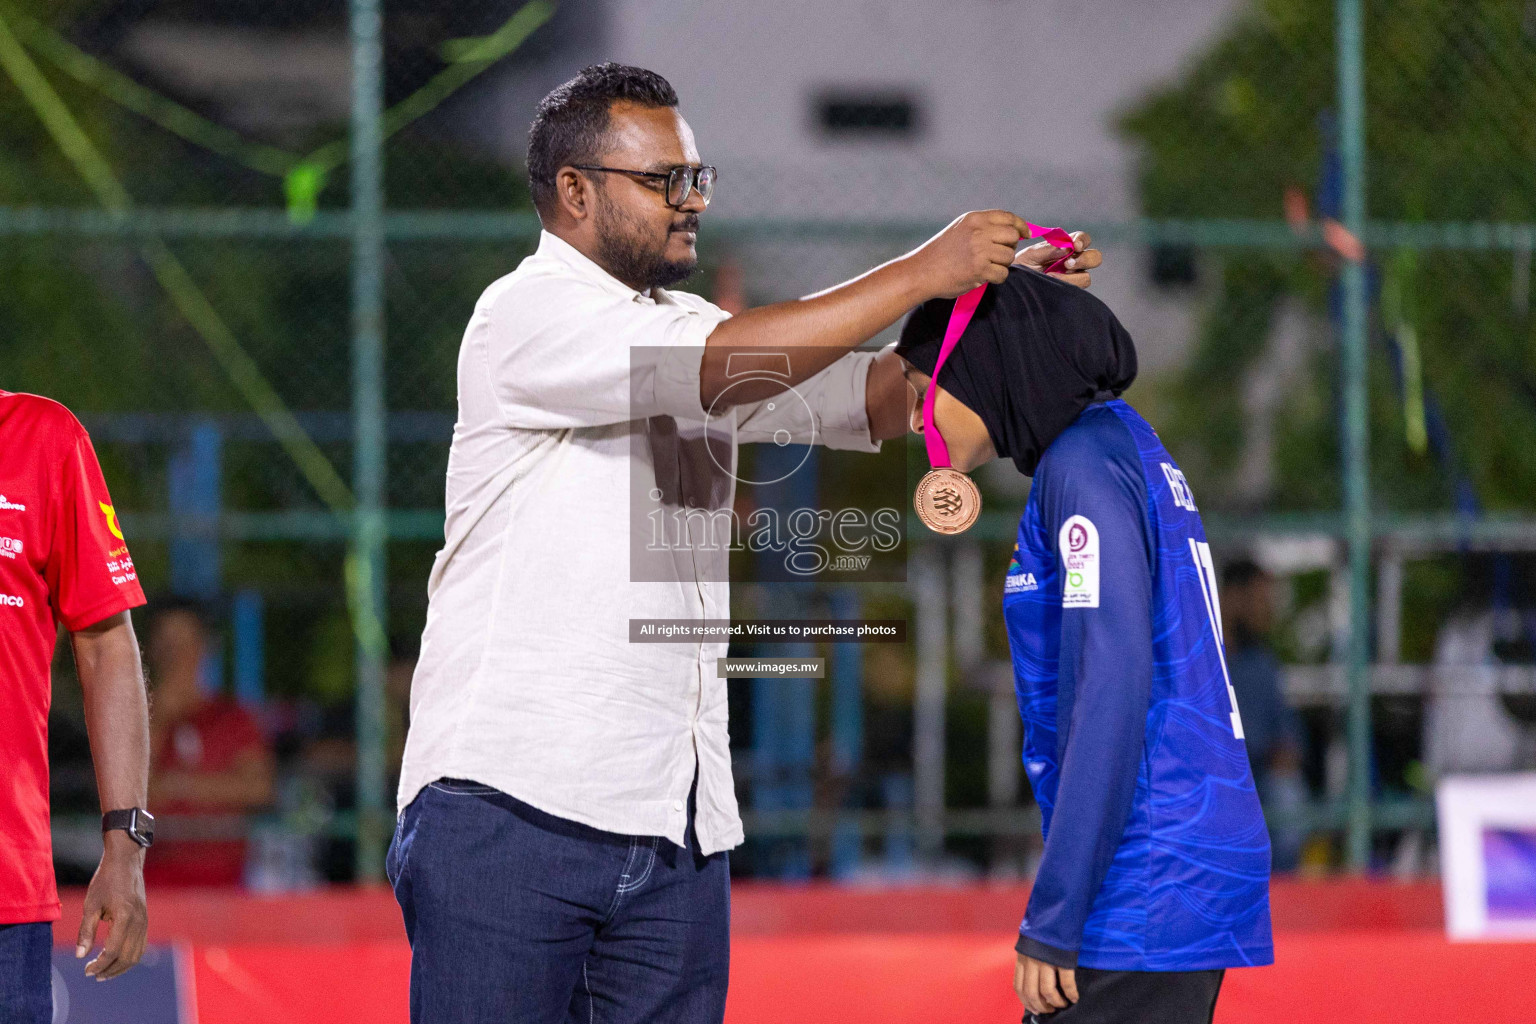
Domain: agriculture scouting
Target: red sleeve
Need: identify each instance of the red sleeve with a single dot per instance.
(90, 572)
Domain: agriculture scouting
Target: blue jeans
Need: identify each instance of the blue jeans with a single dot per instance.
(26, 973)
(518, 915)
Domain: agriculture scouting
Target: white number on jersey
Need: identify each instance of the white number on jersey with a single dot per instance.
(1201, 551)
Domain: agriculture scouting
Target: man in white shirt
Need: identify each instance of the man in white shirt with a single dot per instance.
(566, 797)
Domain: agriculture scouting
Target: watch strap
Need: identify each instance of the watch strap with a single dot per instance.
(137, 822)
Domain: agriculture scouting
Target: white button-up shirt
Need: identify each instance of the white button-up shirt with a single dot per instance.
(578, 402)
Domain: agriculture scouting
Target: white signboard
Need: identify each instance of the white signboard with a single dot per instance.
(1488, 855)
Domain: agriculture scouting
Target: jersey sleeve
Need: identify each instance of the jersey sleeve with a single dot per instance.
(90, 573)
(1098, 516)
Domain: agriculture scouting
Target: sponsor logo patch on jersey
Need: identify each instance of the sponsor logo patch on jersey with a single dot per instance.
(1018, 582)
(6, 505)
(12, 601)
(111, 514)
(10, 547)
(1079, 543)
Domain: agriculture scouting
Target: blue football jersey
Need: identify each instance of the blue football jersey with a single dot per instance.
(1156, 855)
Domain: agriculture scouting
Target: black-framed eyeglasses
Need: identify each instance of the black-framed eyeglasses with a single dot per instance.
(681, 182)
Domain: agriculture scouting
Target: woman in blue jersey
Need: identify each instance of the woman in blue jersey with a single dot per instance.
(1155, 873)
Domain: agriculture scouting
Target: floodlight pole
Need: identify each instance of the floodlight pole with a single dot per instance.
(366, 564)
(1356, 447)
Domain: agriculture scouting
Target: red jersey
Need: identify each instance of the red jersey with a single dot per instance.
(211, 740)
(62, 560)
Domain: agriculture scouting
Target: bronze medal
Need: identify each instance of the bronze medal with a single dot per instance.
(947, 500)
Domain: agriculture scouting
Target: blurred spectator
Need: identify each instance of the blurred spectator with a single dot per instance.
(210, 765)
(1271, 728)
(1468, 727)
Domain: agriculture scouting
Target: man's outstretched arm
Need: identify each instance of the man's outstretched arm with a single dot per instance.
(117, 717)
(815, 331)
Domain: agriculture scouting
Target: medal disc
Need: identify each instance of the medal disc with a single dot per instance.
(947, 500)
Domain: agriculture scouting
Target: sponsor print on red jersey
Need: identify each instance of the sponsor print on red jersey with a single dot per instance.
(63, 560)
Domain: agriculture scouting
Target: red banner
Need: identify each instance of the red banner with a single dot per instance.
(1356, 951)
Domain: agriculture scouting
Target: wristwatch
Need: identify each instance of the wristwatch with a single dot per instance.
(136, 821)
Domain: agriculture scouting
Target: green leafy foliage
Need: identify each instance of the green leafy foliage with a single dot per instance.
(87, 323)
(1449, 137)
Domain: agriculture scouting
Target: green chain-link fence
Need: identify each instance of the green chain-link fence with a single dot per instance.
(299, 291)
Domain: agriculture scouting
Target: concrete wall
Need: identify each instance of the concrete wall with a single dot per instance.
(1017, 101)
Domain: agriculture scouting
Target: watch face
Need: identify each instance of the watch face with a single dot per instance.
(138, 823)
(142, 827)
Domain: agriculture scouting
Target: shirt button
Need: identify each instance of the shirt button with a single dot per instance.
(677, 805)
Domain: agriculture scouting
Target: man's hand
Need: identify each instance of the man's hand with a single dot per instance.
(1042, 987)
(116, 897)
(976, 248)
(817, 330)
(1043, 254)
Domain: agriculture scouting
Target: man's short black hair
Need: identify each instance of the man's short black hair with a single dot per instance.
(1241, 572)
(569, 126)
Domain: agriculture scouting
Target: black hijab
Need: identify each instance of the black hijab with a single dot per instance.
(1036, 352)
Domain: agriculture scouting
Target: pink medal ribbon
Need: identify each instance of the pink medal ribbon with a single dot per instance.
(947, 500)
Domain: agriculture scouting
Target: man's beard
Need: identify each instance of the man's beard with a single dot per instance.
(623, 254)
